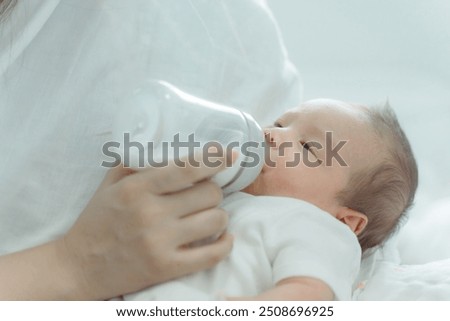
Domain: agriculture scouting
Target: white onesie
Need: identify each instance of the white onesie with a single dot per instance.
(275, 238)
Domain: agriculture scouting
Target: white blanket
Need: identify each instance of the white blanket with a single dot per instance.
(414, 265)
(382, 277)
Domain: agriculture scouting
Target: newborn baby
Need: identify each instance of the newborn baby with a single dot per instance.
(339, 174)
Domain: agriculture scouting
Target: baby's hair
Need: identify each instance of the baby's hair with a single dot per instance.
(385, 191)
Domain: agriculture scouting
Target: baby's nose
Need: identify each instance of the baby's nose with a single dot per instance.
(269, 137)
(273, 136)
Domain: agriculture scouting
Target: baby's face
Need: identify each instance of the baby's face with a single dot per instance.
(310, 164)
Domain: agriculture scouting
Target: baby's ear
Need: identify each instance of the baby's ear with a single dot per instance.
(357, 221)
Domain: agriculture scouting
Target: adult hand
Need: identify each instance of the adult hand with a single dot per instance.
(133, 232)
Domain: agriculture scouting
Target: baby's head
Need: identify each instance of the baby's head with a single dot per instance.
(352, 161)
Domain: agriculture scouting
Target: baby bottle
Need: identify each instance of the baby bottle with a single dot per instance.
(159, 122)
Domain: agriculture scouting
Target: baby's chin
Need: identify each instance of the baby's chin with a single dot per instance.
(249, 189)
(255, 188)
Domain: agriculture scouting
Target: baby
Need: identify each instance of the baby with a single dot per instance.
(296, 236)
(371, 182)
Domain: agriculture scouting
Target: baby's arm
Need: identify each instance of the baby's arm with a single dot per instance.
(293, 289)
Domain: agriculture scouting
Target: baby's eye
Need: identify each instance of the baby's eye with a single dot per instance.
(309, 149)
(277, 124)
(306, 146)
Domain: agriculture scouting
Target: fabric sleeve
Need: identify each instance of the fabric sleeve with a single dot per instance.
(306, 241)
